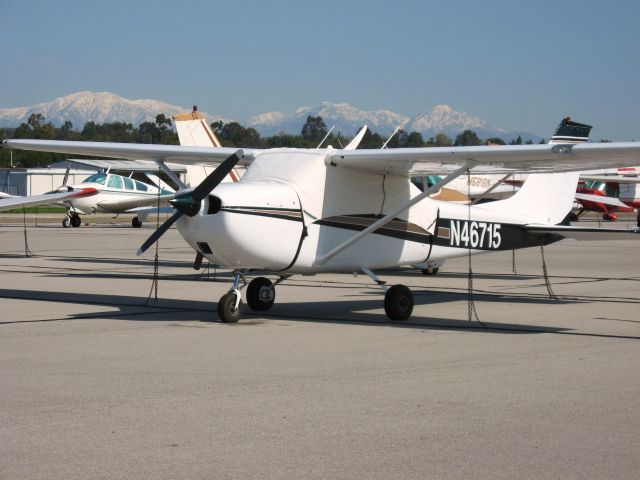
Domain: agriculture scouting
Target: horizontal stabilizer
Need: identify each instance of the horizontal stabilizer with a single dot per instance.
(582, 233)
(614, 202)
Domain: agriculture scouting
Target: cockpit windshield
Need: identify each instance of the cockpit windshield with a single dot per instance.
(96, 178)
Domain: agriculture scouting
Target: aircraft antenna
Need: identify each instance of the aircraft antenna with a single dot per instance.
(326, 136)
(384, 145)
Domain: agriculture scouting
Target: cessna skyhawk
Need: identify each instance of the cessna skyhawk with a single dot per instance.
(307, 211)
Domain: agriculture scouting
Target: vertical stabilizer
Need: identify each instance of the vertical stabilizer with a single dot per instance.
(193, 131)
(548, 197)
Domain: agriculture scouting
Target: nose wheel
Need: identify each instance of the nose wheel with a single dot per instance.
(230, 307)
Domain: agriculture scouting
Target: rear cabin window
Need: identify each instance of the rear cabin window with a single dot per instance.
(114, 181)
(128, 183)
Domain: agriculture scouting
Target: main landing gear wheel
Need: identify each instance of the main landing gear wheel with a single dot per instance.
(430, 271)
(398, 302)
(66, 222)
(261, 294)
(227, 310)
(75, 221)
(136, 223)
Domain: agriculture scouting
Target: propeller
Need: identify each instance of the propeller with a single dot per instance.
(188, 202)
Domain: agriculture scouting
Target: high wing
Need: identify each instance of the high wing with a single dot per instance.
(402, 161)
(490, 159)
(18, 202)
(134, 151)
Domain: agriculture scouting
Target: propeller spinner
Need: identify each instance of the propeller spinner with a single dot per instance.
(188, 202)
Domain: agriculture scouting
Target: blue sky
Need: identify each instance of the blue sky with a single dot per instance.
(520, 65)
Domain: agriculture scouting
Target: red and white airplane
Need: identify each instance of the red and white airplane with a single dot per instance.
(608, 192)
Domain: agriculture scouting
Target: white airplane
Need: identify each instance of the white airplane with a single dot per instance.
(308, 211)
(98, 193)
(116, 194)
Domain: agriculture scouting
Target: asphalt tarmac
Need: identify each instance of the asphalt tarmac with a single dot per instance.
(97, 381)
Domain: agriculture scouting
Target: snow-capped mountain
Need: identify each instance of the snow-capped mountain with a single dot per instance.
(102, 107)
(347, 119)
(99, 107)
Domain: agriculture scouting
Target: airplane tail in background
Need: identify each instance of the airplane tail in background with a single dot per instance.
(549, 197)
(193, 130)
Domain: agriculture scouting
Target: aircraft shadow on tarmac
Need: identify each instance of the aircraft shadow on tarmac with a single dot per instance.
(343, 312)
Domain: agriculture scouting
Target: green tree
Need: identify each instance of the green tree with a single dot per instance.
(314, 130)
(494, 141)
(415, 140)
(467, 138)
(371, 140)
(442, 140)
(235, 135)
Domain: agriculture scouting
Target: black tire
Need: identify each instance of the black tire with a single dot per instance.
(260, 294)
(432, 271)
(66, 222)
(226, 308)
(76, 221)
(136, 223)
(398, 302)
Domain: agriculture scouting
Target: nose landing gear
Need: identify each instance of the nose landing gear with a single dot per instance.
(230, 304)
(261, 295)
(71, 220)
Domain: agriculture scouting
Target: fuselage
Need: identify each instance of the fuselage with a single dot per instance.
(115, 194)
(291, 207)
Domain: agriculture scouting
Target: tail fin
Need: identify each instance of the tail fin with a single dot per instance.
(193, 130)
(571, 132)
(549, 197)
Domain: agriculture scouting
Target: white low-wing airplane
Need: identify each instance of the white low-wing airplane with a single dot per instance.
(114, 194)
(306, 211)
(98, 193)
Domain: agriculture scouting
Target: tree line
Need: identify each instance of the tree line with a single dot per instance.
(230, 134)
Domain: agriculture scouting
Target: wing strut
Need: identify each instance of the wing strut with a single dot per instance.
(171, 174)
(390, 216)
